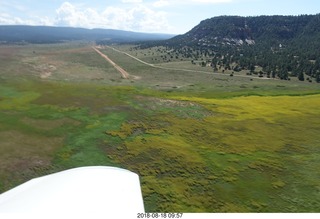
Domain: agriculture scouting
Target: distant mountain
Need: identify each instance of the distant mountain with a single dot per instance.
(44, 34)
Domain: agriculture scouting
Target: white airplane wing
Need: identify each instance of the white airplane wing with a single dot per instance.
(98, 190)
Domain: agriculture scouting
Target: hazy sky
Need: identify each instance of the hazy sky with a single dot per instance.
(162, 16)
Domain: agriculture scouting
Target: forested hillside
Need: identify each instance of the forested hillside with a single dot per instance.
(271, 46)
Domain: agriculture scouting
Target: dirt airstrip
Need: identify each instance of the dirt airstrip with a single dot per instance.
(124, 73)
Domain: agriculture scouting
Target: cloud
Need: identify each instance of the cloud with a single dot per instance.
(6, 19)
(9, 20)
(137, 18)
(69, 15)
(136, 15)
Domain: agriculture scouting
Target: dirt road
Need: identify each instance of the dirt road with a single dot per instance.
(185, 70)
(124, 73)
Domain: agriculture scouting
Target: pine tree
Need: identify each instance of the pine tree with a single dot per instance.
(301, 76)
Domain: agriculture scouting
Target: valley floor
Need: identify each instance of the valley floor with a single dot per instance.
(200, 142)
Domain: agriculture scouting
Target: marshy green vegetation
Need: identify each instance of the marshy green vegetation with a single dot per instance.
(200, 142)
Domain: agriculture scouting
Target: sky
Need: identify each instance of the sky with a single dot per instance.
(152, 16)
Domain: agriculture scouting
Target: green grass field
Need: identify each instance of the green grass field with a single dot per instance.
(200, 142)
